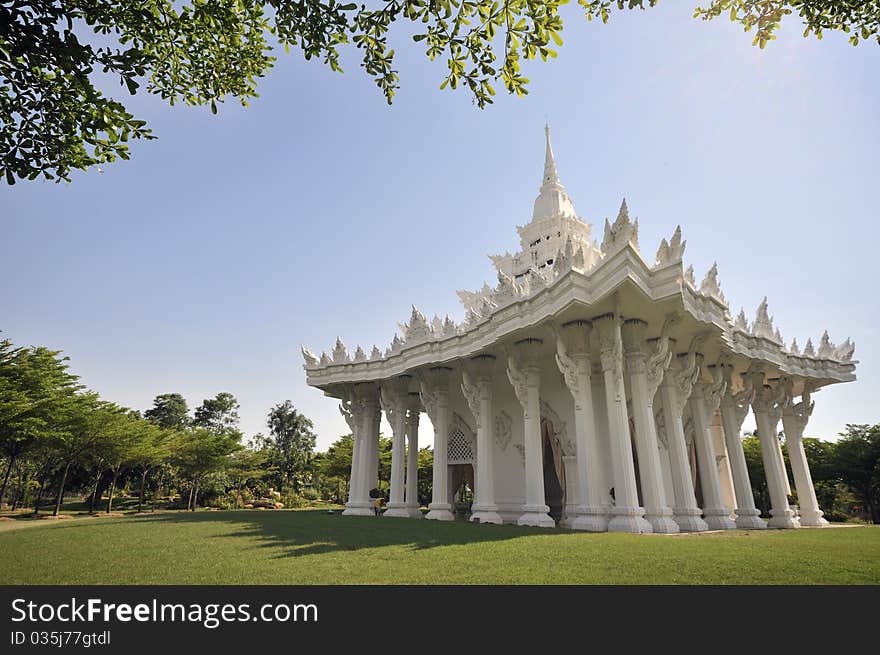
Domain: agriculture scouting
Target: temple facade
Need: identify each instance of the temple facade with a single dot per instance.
(589, 388)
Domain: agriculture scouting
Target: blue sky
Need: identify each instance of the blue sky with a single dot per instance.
(203, 263)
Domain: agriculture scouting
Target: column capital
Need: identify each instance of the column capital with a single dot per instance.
(684, 375)
(574, 364)
(434, 389)
(795, 416)
(576, 337)
(714, 391)
(610, 342)
(737, 403)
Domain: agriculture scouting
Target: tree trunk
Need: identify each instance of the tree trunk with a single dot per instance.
(195, 497)
(94, 497)
(19, 496)
(61, 490)
(6, 480)
(143, 486)
(112, 489)
(39, 496)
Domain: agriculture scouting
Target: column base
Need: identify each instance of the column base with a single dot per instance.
(414, 512)
(536, 516)
(783, 519)
(661, 521)
(485, 514)
(689, 519)
(810, 519)
(591, 519)
(440, 512)
(749, 519)
(629, 519)
(718, 518)
(397, 510)
(358, 509)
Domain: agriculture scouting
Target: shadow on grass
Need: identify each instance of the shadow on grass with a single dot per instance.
(314, 532)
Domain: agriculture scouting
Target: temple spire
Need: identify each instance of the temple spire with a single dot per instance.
(551, 176)
(552, 201)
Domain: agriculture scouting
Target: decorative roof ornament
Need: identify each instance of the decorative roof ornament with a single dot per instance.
(777, 335)
(449, 327)
(689, 276)
(376, 353)
(710, 287)
(436, 326)
(826, 348)
(552, 201)
(793, 348)
(325, 360)
(340, 354)
(506, 292)
(417, 329)
(741, 321)
(845, 351)
(536, 281)
(621, 232)
(309, 356)
(396, 344)
(671, 251)
(360, 355)
(808, 349)
(763, 325)
(578, 260)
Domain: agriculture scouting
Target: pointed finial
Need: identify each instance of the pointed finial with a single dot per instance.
(551, 176)
(624, 211)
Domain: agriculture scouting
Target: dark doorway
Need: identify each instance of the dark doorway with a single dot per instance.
(554, 471)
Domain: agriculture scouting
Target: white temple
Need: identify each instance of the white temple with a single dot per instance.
(589, 388)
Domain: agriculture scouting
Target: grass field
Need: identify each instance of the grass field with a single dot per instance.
(314, 547)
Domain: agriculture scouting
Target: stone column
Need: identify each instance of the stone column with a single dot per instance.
(644, 377)
(734, 408)
(704, 401)
(524, 374)
(434, 386)
(358, 503)
(393, 397)
(767, 408)
(573, 360)
(368, 460)
(477, 390)
(412, 456)
(626, 513)
(794, 421)
(675, 389)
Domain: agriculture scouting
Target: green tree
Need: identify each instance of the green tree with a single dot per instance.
(858, 465)
(219, 413)
(292, 438)
(35, 387)
(54, 119)
(202, 452)
(169, 411)
(88, 422)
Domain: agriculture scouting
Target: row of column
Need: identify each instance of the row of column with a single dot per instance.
(649, 367)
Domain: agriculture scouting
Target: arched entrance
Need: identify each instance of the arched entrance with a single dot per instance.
(461, 460)
(554, 470)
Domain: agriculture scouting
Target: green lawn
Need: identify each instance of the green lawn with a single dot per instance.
(313, 547)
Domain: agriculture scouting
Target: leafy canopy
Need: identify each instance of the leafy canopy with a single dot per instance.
(56, 57)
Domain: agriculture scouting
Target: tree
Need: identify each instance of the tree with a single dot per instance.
(35, 385)
(202, 452)
(169, 411)
(292, 437)
(858, 465)
(219, 413)
(88, 421)
(53, 118)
